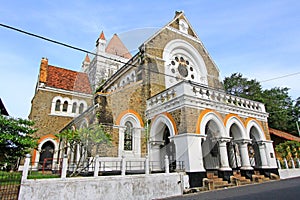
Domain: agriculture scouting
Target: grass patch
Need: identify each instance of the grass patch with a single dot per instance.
(10, 178)
(40, 175)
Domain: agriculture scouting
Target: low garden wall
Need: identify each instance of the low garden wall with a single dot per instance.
(140, 186)
(104, 187)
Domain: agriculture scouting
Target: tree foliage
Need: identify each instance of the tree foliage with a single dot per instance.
(16, 140)
(283, 111)
(289, 149)
(85, 143)
(239, 86)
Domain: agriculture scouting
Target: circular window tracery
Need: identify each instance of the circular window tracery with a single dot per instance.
(182, 67)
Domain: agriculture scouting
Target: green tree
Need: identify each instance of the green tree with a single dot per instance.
(283, 111)
(280, 107)
(16, 140)
(239, 86)
(85, 143)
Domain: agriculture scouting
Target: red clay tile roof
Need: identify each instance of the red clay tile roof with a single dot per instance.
(116, 47)
(284, 135)
(68, 80)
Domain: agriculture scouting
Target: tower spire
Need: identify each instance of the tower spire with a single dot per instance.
(101, 43)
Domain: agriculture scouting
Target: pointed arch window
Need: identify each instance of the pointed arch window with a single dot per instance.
(128, 136)
(81, 106)
(65, 106)
(57, 105)
(74, 107)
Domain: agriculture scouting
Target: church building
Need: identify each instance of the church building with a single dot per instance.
(168, 101)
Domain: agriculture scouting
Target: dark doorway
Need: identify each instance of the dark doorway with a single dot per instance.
(168, 148)
(46, 156)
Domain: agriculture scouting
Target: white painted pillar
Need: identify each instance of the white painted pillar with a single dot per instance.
(123, 169)
(278, 164)
(26, 168)
(285, 163)
(154, 156)
(243, 147)
(262, 152)
(64, 167)
(97, 165)
(189, 151)
(293, 163)
(147, 168)
(223, 154)
(167, 170)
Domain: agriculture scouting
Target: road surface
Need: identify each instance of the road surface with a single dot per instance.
(288, 189)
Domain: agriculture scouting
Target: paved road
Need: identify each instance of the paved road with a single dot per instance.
(287, 189)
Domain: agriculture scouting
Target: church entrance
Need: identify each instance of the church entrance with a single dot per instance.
(46, 156)
(253, 151)
(168, 148)
(210, 148)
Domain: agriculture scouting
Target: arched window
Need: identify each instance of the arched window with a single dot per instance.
(65, 106)
(128, 136)
(81, 106)
(74, 107)
(57, 105)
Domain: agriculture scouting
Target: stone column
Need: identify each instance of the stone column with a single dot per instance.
(262, 152)
(224, 171)
(224, 164)
(243, 148)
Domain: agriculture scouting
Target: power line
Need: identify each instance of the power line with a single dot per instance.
(279, 77)
(80, 49)
(125, 63)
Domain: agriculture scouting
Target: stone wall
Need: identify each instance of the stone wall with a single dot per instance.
(108, 187)
(41, 109)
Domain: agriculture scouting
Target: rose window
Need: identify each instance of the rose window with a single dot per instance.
(181, 67)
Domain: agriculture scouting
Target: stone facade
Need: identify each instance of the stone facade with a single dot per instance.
(56, 85)
(167, 102)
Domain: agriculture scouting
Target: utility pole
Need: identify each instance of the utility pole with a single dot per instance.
(298, 127)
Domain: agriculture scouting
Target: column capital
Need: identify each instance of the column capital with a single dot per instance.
(223, 139)
(261, 142)
(243, 141)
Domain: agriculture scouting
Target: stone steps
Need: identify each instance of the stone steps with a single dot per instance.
(214, 182)
(238, 179)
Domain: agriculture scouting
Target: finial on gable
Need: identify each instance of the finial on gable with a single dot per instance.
(177, 13)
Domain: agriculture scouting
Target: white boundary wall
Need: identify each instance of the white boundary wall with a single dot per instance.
(104, 187)
(289, 173)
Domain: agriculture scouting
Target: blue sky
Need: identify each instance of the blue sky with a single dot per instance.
(259, 39)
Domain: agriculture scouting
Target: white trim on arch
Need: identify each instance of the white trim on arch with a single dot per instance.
(234, 120)
(55, 153)
(136, 137)
(212, 116)
(158, 126)
(260, 134)
(179, 46)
